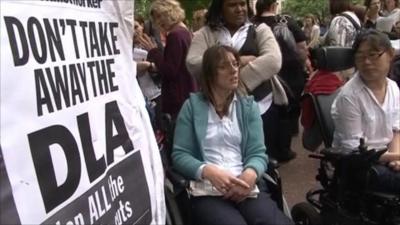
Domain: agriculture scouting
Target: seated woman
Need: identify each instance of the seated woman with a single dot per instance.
(219, 143)
(368, 106)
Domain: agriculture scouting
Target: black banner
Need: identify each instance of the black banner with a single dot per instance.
(121, 197)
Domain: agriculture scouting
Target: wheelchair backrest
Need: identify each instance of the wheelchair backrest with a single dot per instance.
(322, 106)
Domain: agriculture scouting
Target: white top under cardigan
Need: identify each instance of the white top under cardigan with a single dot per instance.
(222, 141)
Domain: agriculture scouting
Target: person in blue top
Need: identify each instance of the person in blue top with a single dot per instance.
(219, 145)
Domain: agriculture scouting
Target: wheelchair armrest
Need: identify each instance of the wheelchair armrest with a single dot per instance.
(336, 153)
(387, 197)
(354, 158)
(273, 163)
(177, 180)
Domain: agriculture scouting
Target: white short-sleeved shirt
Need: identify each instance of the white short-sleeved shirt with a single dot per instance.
(357, 114)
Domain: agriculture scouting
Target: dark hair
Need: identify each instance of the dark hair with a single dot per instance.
(211, 59)
(214, 17)
(360, 11)
(263, 5)
(367, 3)
(376, 39)
(139, 19)
(339, 6)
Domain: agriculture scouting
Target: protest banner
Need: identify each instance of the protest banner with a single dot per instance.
(77, 146)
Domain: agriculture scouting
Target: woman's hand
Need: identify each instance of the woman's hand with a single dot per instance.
(222, 179)
(238, 193)
(249, 176)
(146, 42)
(393, 152)
(395, 165)
(142, 66)
(245, 59)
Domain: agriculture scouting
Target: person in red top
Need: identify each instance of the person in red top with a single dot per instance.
(322, 83)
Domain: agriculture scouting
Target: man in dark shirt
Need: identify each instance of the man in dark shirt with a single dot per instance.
(293, 73)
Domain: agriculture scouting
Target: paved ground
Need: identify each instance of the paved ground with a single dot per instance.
(298, 175)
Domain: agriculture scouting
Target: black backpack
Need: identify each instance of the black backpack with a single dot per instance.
(286, 40)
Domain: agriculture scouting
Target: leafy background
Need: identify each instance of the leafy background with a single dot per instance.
(295, 8)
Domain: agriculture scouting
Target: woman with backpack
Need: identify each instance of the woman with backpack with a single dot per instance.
(343, 28)
(344, 25)
(292, 42)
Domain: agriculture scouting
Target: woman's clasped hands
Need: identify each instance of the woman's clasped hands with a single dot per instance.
(233, 188)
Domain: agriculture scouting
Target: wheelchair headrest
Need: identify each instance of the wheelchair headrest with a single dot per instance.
(332, 58)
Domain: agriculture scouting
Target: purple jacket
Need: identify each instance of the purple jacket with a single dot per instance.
(176, 81)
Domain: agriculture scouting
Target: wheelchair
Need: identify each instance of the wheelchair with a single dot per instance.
(344, 195)
(176, 196)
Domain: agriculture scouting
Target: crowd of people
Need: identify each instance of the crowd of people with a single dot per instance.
(233, 90)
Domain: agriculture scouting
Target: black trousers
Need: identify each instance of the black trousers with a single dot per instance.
(385, 179)
(277, 131)
(210, 210)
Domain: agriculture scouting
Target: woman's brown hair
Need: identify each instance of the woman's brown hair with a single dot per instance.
(211, 59)
(339, 6)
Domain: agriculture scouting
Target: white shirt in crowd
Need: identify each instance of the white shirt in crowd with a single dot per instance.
(357, 114)
(388, 20)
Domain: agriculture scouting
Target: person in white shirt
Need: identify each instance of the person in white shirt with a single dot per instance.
(368, 106)
(391, 8)
(390, 15)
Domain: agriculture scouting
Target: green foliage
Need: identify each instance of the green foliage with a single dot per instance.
(142, 7)
(319, 8)
(299, 8)
(192, 5)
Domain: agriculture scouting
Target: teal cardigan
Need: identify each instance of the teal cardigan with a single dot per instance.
(191, 128)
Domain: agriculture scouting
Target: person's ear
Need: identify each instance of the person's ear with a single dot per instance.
(391, 53)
